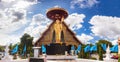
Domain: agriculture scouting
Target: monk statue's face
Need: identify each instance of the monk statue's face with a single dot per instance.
(57, 21)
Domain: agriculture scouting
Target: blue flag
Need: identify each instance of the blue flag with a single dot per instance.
(15, 50)
(43, 49)
(87, 48)
(24, 50)
(72, 48)
(79, 48)
(76, 52)
(103, 46)
(93, 48)
(114, 48)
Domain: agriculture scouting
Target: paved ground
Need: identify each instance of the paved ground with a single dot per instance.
(57, 59)
(47, 61)
(61, 61)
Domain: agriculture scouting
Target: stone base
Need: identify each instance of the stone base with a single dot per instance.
(36, 60)
(110, 60)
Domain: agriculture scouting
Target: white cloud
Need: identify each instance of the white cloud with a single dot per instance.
(114, 42)
(84, 38)
(9, 1)
(57, 6)
(37, 26)
(74, 21)
(39, 19)
(83, 3)
(7, 39)
(25, 3)
(105, 26)
(12, 18)
(19, 4)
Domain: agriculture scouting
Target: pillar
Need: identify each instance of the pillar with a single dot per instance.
(36, 51)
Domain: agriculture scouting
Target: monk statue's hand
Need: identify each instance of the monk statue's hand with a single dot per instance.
(62, 19)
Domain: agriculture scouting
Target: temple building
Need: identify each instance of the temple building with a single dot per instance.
(58, 35)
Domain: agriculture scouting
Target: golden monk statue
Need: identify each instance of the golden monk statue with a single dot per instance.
(58, 29)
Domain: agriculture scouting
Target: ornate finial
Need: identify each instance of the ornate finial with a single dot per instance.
(57, 13)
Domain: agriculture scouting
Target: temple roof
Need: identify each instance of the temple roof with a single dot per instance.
(49, 29)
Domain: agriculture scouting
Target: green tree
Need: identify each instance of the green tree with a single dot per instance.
(2, 48)
(105, 42)
(11, 47)
(26, 39)
(82, 54)
(100, 50)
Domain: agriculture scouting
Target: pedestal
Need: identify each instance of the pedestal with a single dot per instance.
(36, 51)
(66, 53)
(36, 60)
(109, 60)
(72, 52)
(108, 56)
(36, 57)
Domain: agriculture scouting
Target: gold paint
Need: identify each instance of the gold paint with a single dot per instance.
(58, 29)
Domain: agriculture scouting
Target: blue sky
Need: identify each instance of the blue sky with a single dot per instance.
(91, 20)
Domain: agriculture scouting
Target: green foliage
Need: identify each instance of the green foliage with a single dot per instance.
(11, 47)
(26, 39)
(100, 51)
(118, 59)
(23, 57)
(104, 42)
(31, 54)
(82, 54)
(93, 58)
(2, 48)
(15, 56)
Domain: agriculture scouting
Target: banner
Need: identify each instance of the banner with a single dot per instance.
(93, 48)
(87, 48)
(43, 49)
(114, 48)
(15, 50)
(24, 50)
(72, 48)
(103, 46)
